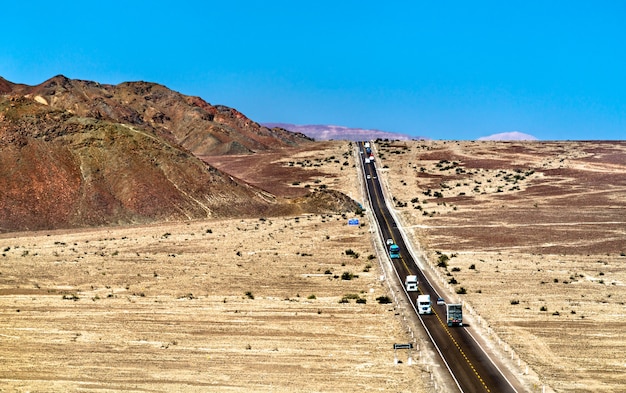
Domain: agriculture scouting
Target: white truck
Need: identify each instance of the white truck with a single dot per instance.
(423, 304)
(410, 283)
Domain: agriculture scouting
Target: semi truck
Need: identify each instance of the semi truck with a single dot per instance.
(410, 282)
(423, 304)
(394, 251)
(454, 314)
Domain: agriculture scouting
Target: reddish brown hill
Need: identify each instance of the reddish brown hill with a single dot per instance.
(61, 170)
(193, 123)
(72, 155)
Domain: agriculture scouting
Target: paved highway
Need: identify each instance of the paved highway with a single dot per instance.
(472, 370)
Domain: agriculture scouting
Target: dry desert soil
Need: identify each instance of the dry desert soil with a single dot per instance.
(532, 232)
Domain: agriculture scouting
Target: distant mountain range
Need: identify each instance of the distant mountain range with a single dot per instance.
(322, 132)
(327, 132)
(509, 136)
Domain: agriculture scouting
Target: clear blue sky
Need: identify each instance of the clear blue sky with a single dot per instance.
(445, 70)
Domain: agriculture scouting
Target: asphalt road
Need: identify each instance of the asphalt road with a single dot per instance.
(471, 368)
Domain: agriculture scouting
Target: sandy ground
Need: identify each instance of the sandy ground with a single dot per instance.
(535, 234)
(234, 305)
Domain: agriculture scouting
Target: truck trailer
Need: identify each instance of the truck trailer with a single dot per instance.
(410, 282)
(454, 314)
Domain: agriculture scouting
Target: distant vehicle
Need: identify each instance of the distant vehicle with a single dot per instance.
(367, 161)
(372, 157)
(394, 251)
(410, 282)
(423, 304)
(368, 150)
(389, 242)
(440, 301)
(368, 177)
(454, 314)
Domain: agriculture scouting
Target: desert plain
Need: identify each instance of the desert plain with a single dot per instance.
(533, 235)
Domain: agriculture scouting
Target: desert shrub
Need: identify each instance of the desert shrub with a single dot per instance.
(72, 296)
(249, 295)
(456, 269)
(312, 297)
(472, 267)
(361, 301)
(461, 291)
(347, 276)
(514, 302)
(349, 251)
(543, 308)
(442, 261)
(383, 300)
(452, 281)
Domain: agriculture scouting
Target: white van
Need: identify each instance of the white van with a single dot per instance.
(423, 304)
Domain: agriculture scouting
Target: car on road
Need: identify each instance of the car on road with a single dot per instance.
(368, 177)
(389, 242)
(440, 301)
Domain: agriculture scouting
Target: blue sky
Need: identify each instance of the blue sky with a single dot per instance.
(445, 70)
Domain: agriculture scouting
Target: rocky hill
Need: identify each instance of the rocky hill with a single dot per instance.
(193, 123)
(77, 153)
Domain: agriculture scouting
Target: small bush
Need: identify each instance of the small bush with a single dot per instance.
(461, 291)
(443, 261)
(361, 301)
(249, 295)
(472, 267)
(383, 300)
(73, 297)
(312, 297)
(456, 269)
(543, 308)
(514, 302)
(347, 276)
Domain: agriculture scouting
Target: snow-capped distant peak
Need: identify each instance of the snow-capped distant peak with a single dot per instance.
(509, 136)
